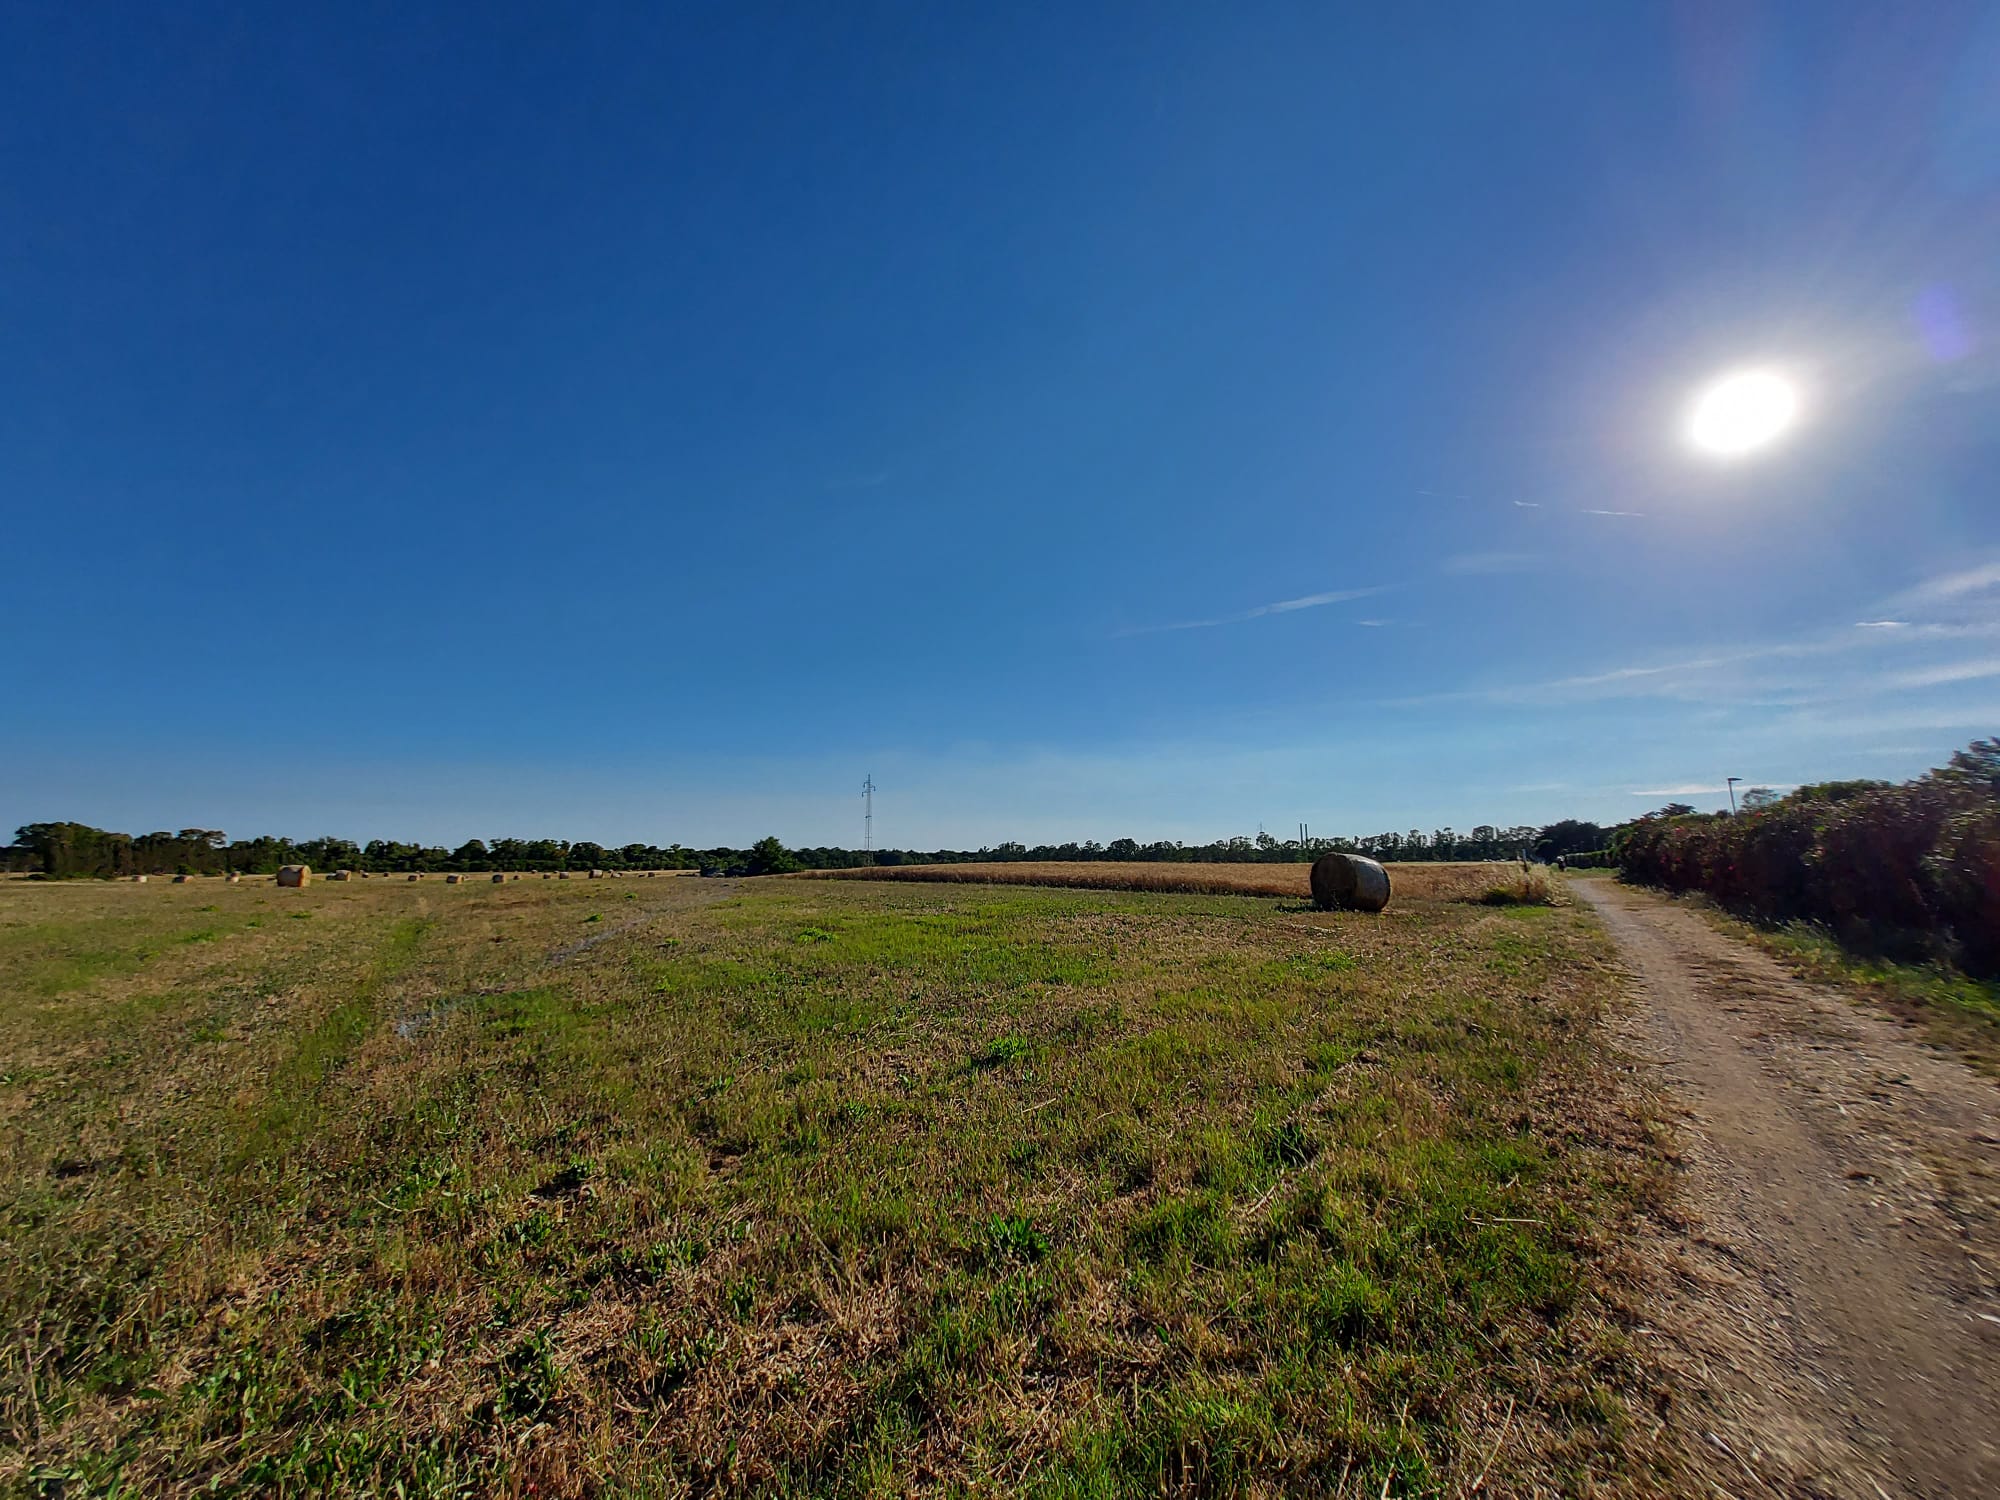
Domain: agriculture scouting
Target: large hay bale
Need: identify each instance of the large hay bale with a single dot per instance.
(341, 875)
(499, 879)
(138, 880)
(295, 875)
(453, 879)
(416, 877)
(184, 880)
(1348, 882)
(564, 875)
(596, 874)
(235, 879)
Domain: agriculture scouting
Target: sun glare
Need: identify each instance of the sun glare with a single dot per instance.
(1742, 413)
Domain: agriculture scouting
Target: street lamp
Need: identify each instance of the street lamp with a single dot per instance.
(1732, 780)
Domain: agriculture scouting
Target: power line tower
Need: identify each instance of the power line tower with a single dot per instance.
(868, 813)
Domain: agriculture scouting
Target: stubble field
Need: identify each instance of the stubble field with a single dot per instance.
(682, 1187)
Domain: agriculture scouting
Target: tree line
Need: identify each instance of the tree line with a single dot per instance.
(63, 851)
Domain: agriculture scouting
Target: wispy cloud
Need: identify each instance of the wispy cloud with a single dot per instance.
(1280, 607)
(1636, 515)
(1468, 564)
(1833, 666)
(1958, 671)
(1527, 505)
(1881, 624)
(1951, 586)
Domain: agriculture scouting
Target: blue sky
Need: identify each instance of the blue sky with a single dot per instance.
(1094, 421)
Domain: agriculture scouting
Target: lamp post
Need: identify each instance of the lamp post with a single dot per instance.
(1732, 794)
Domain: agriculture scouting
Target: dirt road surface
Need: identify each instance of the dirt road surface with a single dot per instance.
(1830, 1295)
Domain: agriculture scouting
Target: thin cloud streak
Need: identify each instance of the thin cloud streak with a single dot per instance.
(1963, 671)
(1951, 586)
(1280, 607)
(1720, 677)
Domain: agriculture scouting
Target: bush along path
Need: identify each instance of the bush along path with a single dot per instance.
(1831, 1290)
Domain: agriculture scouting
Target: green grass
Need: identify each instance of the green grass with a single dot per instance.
(824, 1187)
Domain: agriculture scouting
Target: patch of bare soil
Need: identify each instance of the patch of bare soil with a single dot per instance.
(1829, 1295)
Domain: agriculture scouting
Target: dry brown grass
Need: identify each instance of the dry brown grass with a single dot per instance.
(1421, 882)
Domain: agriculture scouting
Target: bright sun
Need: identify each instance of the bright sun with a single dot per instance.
(1743, 412)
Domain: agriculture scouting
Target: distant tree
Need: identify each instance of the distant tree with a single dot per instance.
(1758, 798)
(769, 857)
(1569, 836)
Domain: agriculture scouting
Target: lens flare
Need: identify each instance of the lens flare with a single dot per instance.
(1742, 413)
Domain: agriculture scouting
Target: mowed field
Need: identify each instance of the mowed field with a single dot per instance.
(1419, 881)
(812, 1187)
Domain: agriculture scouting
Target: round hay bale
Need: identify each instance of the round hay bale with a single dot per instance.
(1348, 882)
(184, 880)
(295, 875)
(416, 877)
(341, 875)
(499, 879)
(564, 875)
(236, 879)
(453, 879)
(138, 880)
(596, 874)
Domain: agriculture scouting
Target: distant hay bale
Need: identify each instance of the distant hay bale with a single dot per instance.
(341, 875)
(596, 874)
(453, 879)
(235, 879)
(184, 880)
(416, 877)
(138, 880)
(564, 875)
(295, 875)
(498, 878)
(1348, 882)
(513, 877)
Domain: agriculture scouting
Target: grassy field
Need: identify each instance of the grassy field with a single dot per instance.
(1420, 881)
(789, 1186)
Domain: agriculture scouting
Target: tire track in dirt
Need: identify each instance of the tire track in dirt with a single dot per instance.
(1829, 1297)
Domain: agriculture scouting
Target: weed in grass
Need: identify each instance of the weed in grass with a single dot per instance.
(1014, 1237)
(998, 1053)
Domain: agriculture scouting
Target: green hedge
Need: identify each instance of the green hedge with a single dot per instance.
(1909, 871)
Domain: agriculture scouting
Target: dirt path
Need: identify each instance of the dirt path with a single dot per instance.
(1831, 1294)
